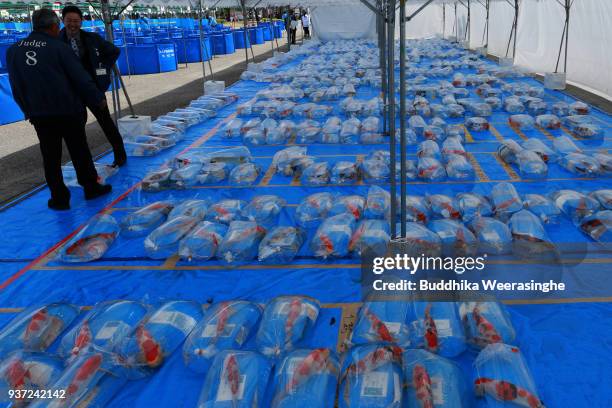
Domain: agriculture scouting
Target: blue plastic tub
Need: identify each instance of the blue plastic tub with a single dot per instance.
(223, 43)
(239, 39)
(268, 34)
(256, 35)
(148, 59)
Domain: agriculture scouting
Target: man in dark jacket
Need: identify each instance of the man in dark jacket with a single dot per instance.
(52, 88)
(97, 57)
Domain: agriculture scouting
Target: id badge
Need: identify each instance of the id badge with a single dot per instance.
(101, 71)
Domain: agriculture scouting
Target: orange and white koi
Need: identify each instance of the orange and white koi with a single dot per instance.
(151, 350)
(295, 308)
(83, 338)
(486, 330)
(506, 392)
(17, 374)
(356, 237)
(84, 374)
(232, 376)
(37, 323)
(431, 332)
(379, 327)
(452, 211)
(314, 363)
(422, 386)
(328, 245)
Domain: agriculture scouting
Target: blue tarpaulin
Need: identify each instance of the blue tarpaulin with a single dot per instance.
(10, 112)
(565, 342)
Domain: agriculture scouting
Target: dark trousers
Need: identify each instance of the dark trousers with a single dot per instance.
(293, 35)
(103, 116)
(307, 32)
(50, 131)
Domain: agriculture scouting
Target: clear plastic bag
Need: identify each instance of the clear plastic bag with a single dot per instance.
(281, 245)
(285, 323)
(141, 149)
(254, 137)
(604, 196)
(316, 174)
(521, 121)
(371, 375)
(536, 108)
(503, 378)
(531, 164)
(457, 240)
(163, 241)
(313, 209)
(564, 145)
(226, 211)
(455, 110)
(417, 209)
(383, 321)
(308, 132)
(350, 131)
(330, 133)
(36, 328)
(433, 381)
(27, 372)
(481, 109)
(560, 109)
(285, 159)
(344, 172)
(543, 207)
(579, 108)
(350, 204)
(546, 153)
(371, 131)
(513, 105)
(410, 167)
(494, 237)
(428, 148)
(530, 237)
(375, 170)
(472, 205)
(306, 378)
(159, 335)
(185, 176)
(417, 123)
(598, 226)
(581, 164)
(433, 133)
(212, 173)
(103, 328)
(419, 240)
(459, 168)
(231, 157)
(605, 162)
(264, 209)
(477, 124)
(333, 236)
(574, 204)
(190, 208)
(202, 242)
(91, 242)
(443, 206)
(236, 379)
(486, 323)
(146, 219)
(452, 146)
(244, 174)
(378, 203)
(548, 121)
(157, 180)
(225, 326)
(506, 200)
(494, 102)
(370, 237)
(241, 242)
(437, 328)
(430, 169)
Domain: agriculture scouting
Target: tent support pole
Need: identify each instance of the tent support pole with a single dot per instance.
(513, 31)
(402, 73)
(391, 105)
(417, 11)
(372, 8)
(108, 26)
(382, 51)
(246, 39)
(568, 5)
(468, 30)
(202, 45)
(443, 19)
(456, 27)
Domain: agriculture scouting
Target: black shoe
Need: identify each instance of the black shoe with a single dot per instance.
(58, 205)
(97, 190)
(120, 159)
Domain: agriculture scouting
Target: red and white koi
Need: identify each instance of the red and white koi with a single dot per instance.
(17, 374)
(151, 350)
(506, 392)
(422, 386)
(314, 363)
(431, 332)
(38, 322)
(232, 377)
(91, 244)
(486, 330)
(295, 308)
(379, 327)
(84, 374)
(83, 338)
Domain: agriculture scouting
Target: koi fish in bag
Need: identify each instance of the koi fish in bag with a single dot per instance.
(232, 128)
(244, 174)
(349, 204)
(604, 197)
(350, 131)
(545, 152)
(370, 237)
(158, 336)
(281, 245)
(430, 169)
(333, 236)
(429, 148)
(486, 323)
(241, 242)
(203, 241)
(226, 211)
(225, 326)
(378, 203)
(442, 206)
(477, 124)
(506, 200)
(433, 133)
(598, 226)
(560, 109)
(157, 180)
(503, 378)
(472, 205)
(579, 108)
(316, 174)
(313, 209)
(27, 371)
(371, 131)
(141, 149)
(417, 209)
(574, 204)
(531, 165)
(371, 376)
(146, 219)
(330, 133)
(190, 208)
(419, 240)
(185, 176)
(103, 328)
(530, 239)
(410, 167)
(163, 242)
(374, 170)
(264, 209)
(493, 236)
(580, 164)
(36, 328)
(548, 121)
(344, 172)
(308, 132)
(508, 151)
(306, 378)
(285, 322)
(433, 381)
(605, 162)
(452, 146)
(284, 159)
(236, 379)
(457, 240)
(383, 321)
(543, 207)
(564, 145)
(437, 328)
(91, 242)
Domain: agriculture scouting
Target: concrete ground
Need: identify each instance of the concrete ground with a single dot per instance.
(153, 95)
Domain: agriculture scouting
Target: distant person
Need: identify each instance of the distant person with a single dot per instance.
(294, 27)
(51, 87)
(287, 21)
(306, 25)
(98, 57)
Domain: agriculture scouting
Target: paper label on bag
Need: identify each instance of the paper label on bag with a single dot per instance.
(111, 329)
(224, 392)
(211, 331)
(443, 327)
(374, 384)
(436, 390)
(178, 320)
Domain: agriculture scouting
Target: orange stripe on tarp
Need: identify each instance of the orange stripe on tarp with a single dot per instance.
(49, 251)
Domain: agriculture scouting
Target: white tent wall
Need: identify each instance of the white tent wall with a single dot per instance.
(332, 22)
